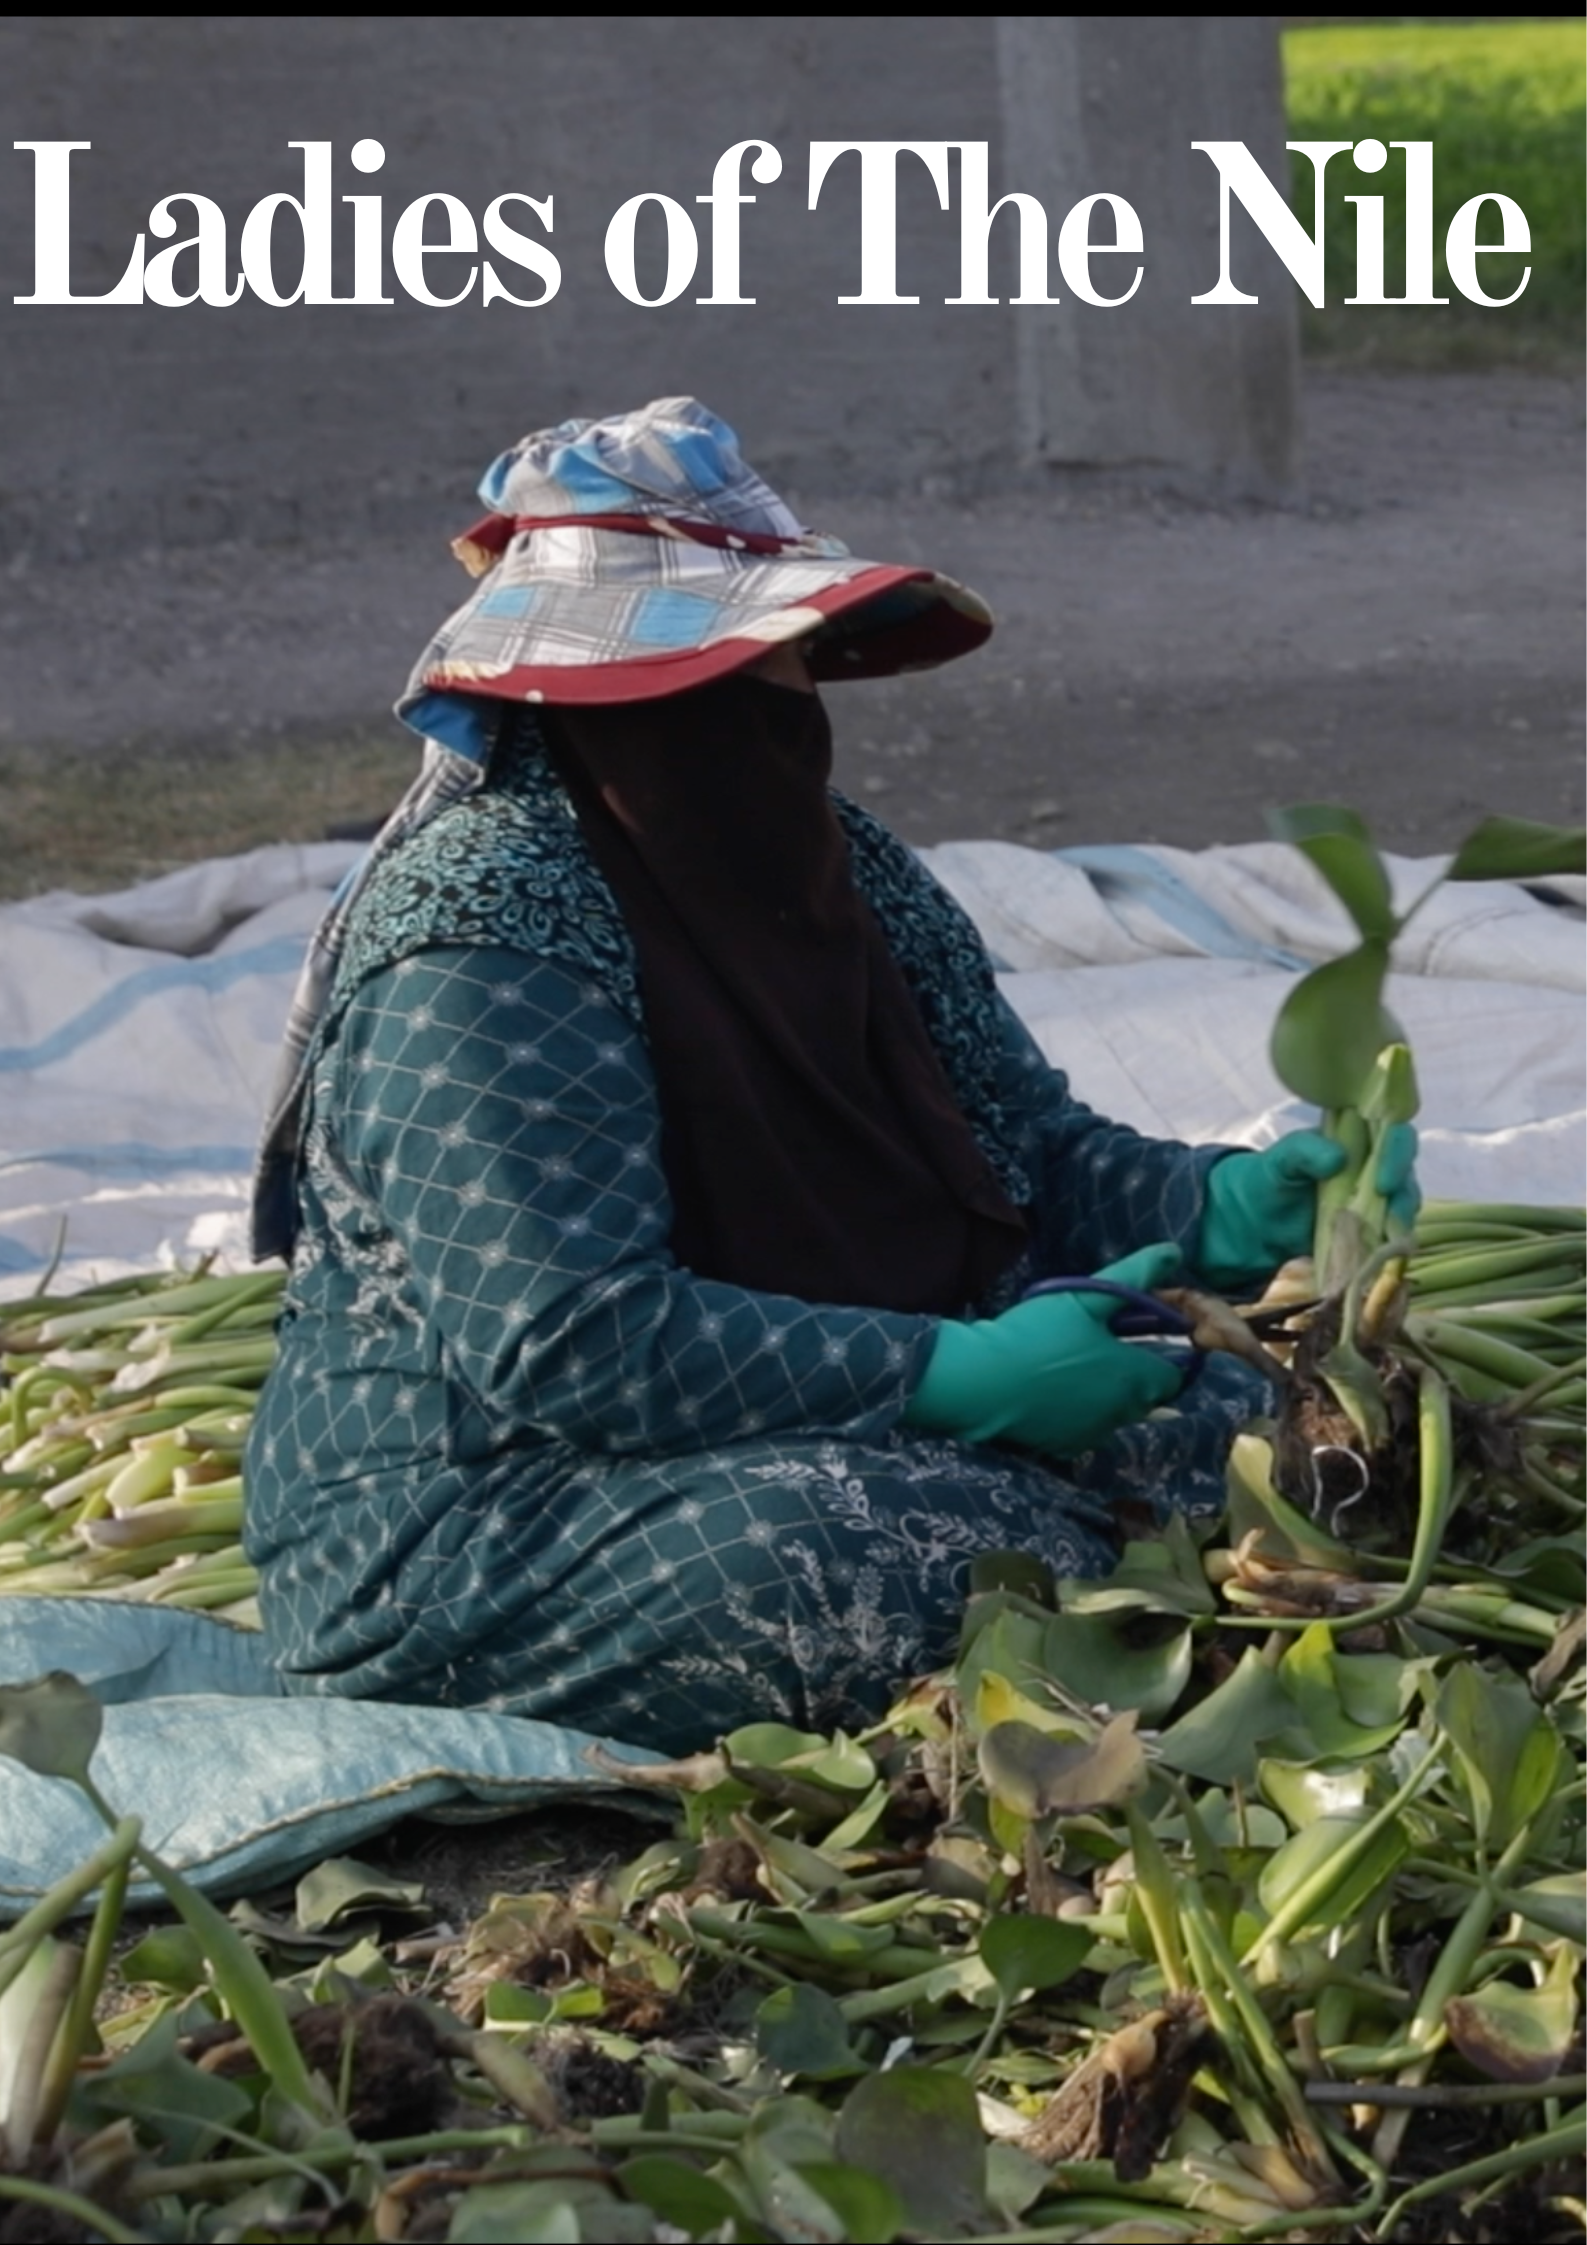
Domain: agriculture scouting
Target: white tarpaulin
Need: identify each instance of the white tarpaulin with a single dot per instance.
(138, 1032)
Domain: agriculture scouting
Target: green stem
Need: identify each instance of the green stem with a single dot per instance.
(1460, 1952)
(626, 2131)
(1541, 1484)
(1487, 1266)
(1259, 2032)
(50, 2003)
(1244, 2090)
(267, 1286)
(1154, 1885)
(1348, 1129)
(241, 1979)
(1455, 2095)
(746, 1960)
(1520, 1215)
(61, 2069)
(71, 2208)
(1308, 1898)
(18, 1942)
(988, 2042)
(926, 1987)
(898, 1961)
(1424, 2034)
(117, 1315)
(215, 2178)
(1563, 2142)
(1491, 1294)
(1512, 1367)
(1087, 2217)
(1435, 1504)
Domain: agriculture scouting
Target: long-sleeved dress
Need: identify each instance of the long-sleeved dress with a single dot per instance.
(513, 1456)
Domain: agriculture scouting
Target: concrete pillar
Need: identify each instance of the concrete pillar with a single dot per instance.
(1096, 103)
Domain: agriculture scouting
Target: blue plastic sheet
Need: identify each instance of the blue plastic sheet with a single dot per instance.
(240, 1787)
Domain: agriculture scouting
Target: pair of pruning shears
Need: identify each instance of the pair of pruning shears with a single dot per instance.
(1190, 1323)
(1139, 1317)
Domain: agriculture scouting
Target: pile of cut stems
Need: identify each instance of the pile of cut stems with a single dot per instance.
(1497, 1297)
(124, 1412)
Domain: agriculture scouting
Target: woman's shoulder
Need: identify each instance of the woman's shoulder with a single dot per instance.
(929, 933)
(506, 868)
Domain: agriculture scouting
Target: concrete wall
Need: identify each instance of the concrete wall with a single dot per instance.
(142, 426)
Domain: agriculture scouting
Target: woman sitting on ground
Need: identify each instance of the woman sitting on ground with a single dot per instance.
(662, 1171)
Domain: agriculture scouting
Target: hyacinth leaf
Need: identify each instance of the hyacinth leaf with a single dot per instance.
(51, 1726)
(1396, 1096)
(997, 1701)
(1508, 1754)
(1335, 840)
(1304, 1794)
(1220, 1736)
(785, 2202)
(768, 1744)
(545, 2213)
(800, 2030)
(1165, 1576)
(1098, 1657)
(1348, 1708)
(919, 2130)
(1009, 1645)
(840, 1941)
(1517, 2034)
(1254, 1504)
(838, 1762)
(168, 1956)
(165, 2094)
(1024, 1954)
(342, 1887)
(864, 2204)
(1332, 1026)
(1300, 1859)
(1035, 1775)
(1557, 1904)
(1519, 849)
(681, 2194)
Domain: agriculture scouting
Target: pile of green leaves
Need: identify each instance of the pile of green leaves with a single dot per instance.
(1153, 1918)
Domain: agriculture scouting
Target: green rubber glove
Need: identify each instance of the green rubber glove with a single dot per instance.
(1262, 1208)
(1048, 1372)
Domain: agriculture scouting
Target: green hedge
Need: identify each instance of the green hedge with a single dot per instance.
(1505, 106)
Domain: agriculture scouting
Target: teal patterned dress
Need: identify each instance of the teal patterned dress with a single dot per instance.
(513, 1457)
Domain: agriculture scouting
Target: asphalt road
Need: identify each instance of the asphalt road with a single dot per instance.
(1405, 636)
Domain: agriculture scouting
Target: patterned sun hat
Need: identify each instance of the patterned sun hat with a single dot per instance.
(632, 557)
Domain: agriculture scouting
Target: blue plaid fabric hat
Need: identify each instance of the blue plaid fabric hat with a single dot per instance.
(632, 557)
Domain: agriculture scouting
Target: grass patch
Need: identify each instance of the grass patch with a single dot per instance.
(103, 821)
(1505, 106)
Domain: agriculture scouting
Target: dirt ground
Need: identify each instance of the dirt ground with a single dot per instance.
(1405, 635)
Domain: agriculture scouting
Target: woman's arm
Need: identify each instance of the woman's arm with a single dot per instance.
(1102, 1190)
(498, 1119)
(1099, 1189)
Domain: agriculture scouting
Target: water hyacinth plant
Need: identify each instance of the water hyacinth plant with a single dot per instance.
(1383, 1408)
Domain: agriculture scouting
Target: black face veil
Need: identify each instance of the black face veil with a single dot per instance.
(811, 1140)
